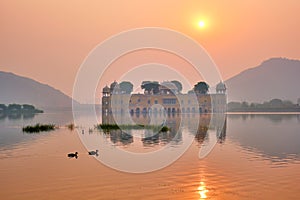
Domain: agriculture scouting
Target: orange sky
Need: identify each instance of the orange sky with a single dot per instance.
(48, 40)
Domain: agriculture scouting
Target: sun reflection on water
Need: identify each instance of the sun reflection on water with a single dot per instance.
(202, 190)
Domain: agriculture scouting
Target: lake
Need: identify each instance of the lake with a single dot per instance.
(255, 156)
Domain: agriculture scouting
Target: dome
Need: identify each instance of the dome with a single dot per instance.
(112, 86)
(106, 89)
(221, 86)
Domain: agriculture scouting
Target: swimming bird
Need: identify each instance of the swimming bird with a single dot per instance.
(93, 153)
(73, 155)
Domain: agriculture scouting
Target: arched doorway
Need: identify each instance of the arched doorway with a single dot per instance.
(144, 110)
(137, 110)
(200, 110)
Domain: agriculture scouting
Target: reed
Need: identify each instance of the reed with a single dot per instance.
(38, 128)
(70, 126)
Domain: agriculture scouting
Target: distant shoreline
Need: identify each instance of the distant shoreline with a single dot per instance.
(270, 110)
(11, 109)
(262, 113)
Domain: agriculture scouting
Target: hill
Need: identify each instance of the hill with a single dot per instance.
(18, 89)
(274, 78)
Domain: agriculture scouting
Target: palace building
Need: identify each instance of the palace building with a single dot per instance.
(167, 99)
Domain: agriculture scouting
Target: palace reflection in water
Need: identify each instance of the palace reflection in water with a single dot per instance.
(197, 125)
(260, 150)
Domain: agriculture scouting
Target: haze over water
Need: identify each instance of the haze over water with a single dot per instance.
(59, 54)
(257, 157)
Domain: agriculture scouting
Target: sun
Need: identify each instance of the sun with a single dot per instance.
(201, 24)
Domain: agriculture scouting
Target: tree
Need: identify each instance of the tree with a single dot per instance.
(14, 107)
(149, 86)
(288, 103)
(178, 85)
(276, 103)
(146, 86)
(155, 87)
(201, 87)
(234, 105)
(126, 87)
(28, 107)
(3, 107)
(245, 104)
(252, 105)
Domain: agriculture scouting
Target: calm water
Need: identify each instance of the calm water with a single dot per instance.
(256, 157)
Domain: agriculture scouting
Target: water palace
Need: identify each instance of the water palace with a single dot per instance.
(168, 99)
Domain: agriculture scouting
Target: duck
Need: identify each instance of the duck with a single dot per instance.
(73, 155)
(93, 153)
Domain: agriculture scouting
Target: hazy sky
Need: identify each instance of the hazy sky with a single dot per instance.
(48, 40)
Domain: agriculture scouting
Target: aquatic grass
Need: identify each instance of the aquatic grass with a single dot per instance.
(164, 129)
(132, 126)
(70, 126)
(38, 128)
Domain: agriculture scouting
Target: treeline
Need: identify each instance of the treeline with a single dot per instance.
(274, 105)
(152, 87)
(18, 108)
